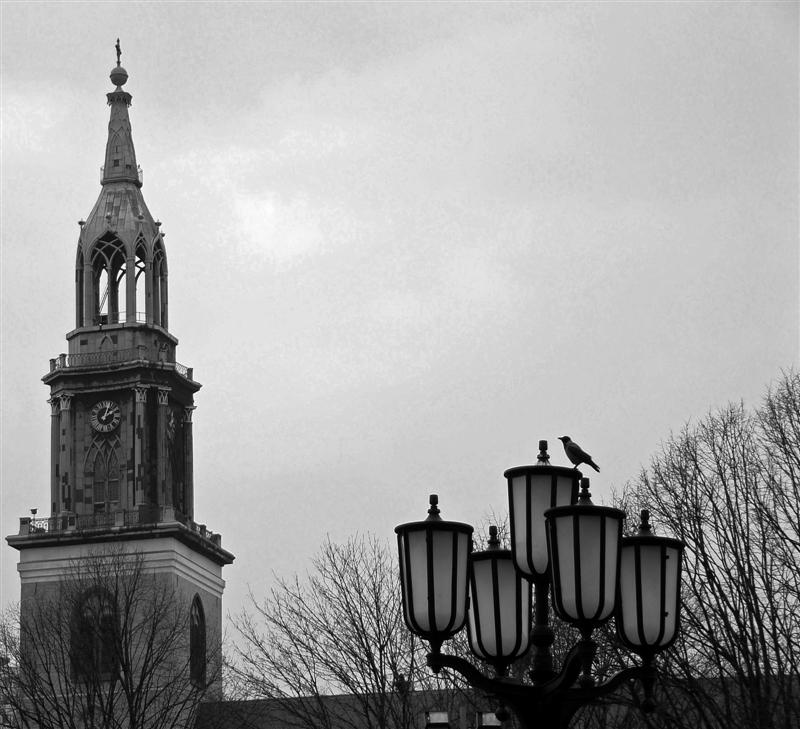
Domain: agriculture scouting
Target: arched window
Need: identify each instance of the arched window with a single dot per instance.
(140, 276)
(159, 285)
(103, 476)
(94, 637)
(103, 289)
(108, 269)
(197, 643)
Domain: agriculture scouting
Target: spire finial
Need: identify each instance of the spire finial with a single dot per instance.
(118, 74)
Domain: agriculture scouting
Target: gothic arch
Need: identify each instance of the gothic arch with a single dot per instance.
(140, 279)
(197, 643)
(107, 258)
(159, 284)
(94, 632)
(102, 476)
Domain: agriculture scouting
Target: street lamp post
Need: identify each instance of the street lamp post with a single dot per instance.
(561, 543)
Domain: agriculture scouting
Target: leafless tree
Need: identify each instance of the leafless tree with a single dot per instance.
(105, 647)
(338, 630)
(729, 486)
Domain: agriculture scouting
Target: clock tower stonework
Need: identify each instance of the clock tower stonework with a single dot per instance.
(121, 404)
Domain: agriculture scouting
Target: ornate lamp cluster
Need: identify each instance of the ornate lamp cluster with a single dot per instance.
(560, 541)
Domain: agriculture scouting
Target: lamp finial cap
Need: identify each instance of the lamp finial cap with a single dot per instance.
(433, 512)
(644, 528)
(585, 497)
(543, 458)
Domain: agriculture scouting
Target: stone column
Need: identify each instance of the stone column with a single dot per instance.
(162, 459)
(148, 291)
(55, 456)
(89, 295)
(188, 462)
(65, 448)
(164, 297)
(130, 290)
(139, 406)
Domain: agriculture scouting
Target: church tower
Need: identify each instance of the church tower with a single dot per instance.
(121, 472)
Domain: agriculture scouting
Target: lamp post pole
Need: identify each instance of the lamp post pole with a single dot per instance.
(561, 543)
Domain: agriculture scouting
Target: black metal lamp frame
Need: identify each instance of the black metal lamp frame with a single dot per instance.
(552, 704)
(554, 697)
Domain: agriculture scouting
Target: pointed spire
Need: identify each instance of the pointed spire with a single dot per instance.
(120, 209)
(120, 164)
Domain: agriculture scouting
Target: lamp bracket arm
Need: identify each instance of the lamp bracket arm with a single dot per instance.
(569, 672)
(583, 695)
(504, 688)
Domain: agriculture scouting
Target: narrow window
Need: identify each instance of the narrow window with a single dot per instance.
(197, 643)
(108, 260)
(99, 485)
(159, 285)
(103, 288)
(141, 286)
(94, 637)
(103, 474)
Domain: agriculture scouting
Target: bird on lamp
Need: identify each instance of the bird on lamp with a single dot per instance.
(576, 454)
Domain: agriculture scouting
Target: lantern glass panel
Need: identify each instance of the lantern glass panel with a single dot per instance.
(515, 602)
(528, 522)
(652, 572)
(532, 490)
(628, 619)
(481, 610)
(649, 591)
(564, 569)
(433, 570)
(499, 611)
(417, 577)
(450, 551)
(672, 589)
(585, 542)
(599, 564)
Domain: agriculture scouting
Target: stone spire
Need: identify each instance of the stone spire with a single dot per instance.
(120, 165)
(120, 209)
(121, 266)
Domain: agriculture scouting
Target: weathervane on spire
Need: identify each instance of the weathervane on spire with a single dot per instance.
(119, 51)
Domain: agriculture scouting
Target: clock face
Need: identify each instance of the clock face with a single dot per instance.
(105, 416)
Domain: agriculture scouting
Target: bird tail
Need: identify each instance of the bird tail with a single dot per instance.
(591, 463)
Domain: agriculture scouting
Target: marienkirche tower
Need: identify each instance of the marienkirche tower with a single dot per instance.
(121, 406)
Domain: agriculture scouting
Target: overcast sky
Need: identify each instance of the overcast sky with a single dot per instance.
(408, 240)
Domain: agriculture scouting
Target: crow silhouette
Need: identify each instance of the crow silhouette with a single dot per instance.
(576, 454)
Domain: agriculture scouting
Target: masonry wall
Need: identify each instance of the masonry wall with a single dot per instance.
(169, 568)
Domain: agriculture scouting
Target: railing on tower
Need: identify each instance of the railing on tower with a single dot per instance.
(120, 317)
(142, 516)
(111, 357)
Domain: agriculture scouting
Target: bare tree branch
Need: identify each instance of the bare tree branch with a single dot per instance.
(106, 647)
(338, 630)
